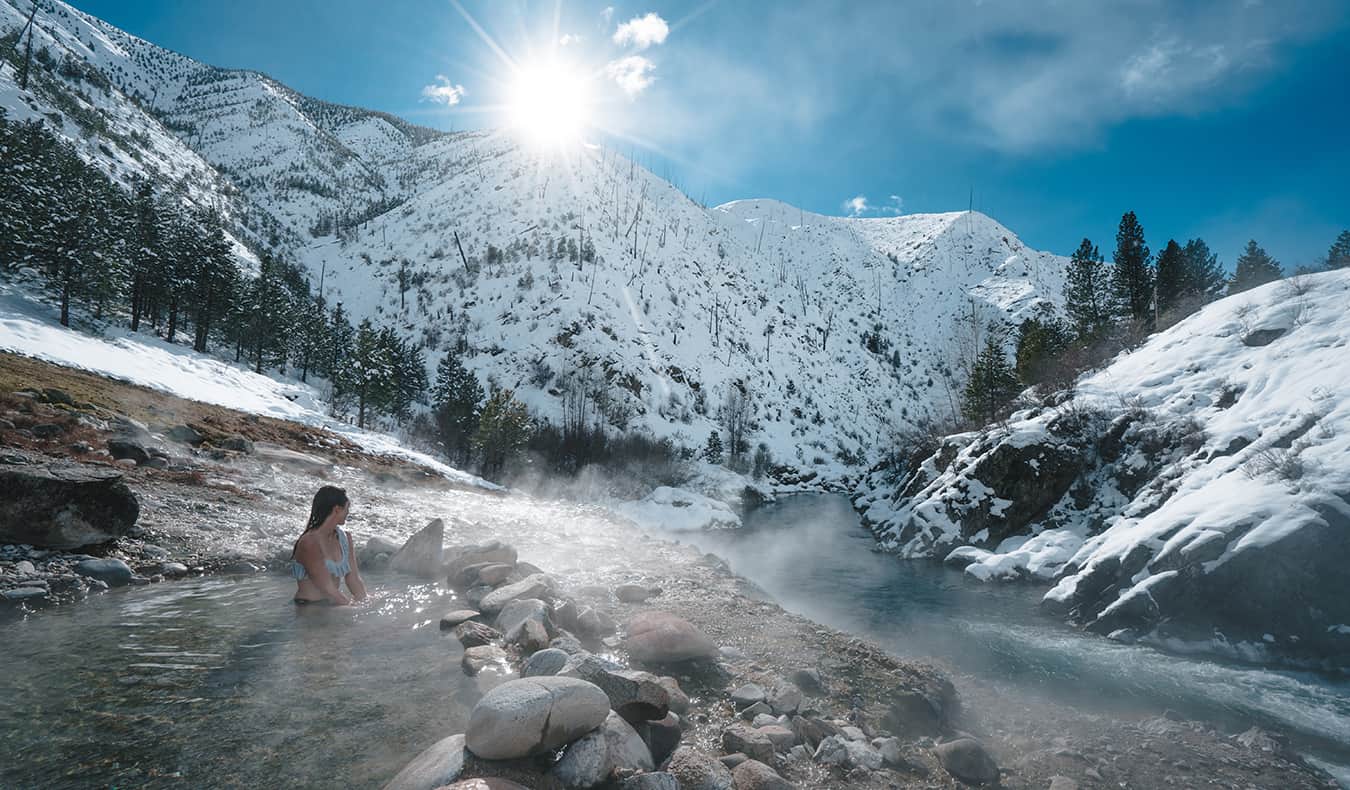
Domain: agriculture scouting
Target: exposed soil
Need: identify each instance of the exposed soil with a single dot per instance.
(214, 509)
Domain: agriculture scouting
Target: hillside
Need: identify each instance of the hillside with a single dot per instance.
(1195, 490)
(584, 275)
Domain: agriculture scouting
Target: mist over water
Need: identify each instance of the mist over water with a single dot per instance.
(811, 554)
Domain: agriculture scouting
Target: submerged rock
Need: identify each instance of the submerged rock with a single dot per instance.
(531, 715)
(439, 764)
(113, 572)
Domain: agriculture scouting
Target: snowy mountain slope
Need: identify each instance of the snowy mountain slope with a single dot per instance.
(840, 331)
(1199, 480)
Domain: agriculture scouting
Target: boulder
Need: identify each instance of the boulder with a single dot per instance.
(473, 634)
(49, 430)
(756, 710)
(838, 750)
(663, 638)
(785, 698)
(24, 594)
(534, 586)
(478, 658)
(113, 572)
(375, 547)
(913, 714)
(451, 619)
(545, 662)
(421, 554)
(632, 593)
(809, 681)
(662, 736)
(679, 701)
(63, 506)
(185, 434)
(494, 574)
(457, 558)
(439, 764)
(636, 696)
(563, 612)
(533, 715)
(128, 449)
(595, 623)
(235, 443)
(57, 396)
(967, 760)
(626, 749)
(519, 611)
(781, 737)
(732, 760)
(474, 595)
(696, 770)
(747, 695)
(748, 740)
(755, 775)
(891, 753)
(585, 761)
(658, 780)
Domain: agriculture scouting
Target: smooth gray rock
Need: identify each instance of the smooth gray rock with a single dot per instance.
(534, 586)
(697, 770)
(544, 663)
(626, 749)
(632, 593)
(809, 681)
(747, 695)
(439, 764)
(421, 554)
(129, 449)
(113, 572)
(595, 623)
(457, 558)
(634, 695)
(173, 570)
(63, 506)
(749, 741)
(517, 612)
(663, 638)
(451, 619)
(585, 761)
(24, 594)
(662, 736)
(785, 698)
(531, 715)
(480, 658)
(185, 434)
(679, 701)
(967, 760)
(473, 634)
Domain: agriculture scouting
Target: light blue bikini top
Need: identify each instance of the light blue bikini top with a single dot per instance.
(340, 568)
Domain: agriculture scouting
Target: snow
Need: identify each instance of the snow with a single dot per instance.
(678, 510)
(26, 328)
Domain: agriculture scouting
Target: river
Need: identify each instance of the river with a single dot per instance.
(813, 556)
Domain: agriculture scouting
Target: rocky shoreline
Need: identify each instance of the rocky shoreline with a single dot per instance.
(804, 704)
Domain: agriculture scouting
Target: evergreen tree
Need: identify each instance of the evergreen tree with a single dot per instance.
(145, 246)
(408, 374)
(371, 372)
(457, 397)
(1040, 343)
(1204, 279)
(338, 356)
(211, 276)
(1338, 257)
(1170, 278)
(1254, 267)
(712, 450)
(1088, 294)
(1132, 277)
(503, 430)
(992, 384)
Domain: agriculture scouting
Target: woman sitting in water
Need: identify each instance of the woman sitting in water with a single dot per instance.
(323, 558)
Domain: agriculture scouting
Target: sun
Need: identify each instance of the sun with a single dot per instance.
(549, 103)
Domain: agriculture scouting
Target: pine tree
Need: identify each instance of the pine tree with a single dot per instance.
(1040, 343)
(1254, 267)
(503, 430)
(337, 358)
(212, 274)
(1170, 278)
(145, 245)
(1088, 294)
(371, 372)
(1338, 257)
(457, 398)
(992, 384)
(1204, 279)
(712, 449)
(1132, 277)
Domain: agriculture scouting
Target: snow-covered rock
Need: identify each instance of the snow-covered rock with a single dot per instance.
(1205, 492)
(678, 510)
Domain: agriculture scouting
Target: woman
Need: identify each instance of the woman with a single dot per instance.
(323, 557)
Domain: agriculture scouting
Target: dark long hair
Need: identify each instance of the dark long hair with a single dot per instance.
(325, 500)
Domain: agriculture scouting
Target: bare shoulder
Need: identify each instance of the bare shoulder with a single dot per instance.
(307, 544)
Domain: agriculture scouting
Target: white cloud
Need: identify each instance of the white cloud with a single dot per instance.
(856, 206)
(442, 91)
(567, 39)
(642, 31)
(632, 74)
(859, 205)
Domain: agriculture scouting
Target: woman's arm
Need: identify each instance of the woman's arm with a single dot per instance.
(310, 555)
(355, 583)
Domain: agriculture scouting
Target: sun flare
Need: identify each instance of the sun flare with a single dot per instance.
(549, 103)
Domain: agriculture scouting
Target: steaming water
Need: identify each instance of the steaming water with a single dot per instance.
(812, 555)
(225, 683)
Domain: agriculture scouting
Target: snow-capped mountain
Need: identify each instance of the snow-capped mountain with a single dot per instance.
(553, 273)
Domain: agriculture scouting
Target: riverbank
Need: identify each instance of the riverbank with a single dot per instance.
(235, 511)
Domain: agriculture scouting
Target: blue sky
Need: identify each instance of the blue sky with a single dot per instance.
(1225, 120)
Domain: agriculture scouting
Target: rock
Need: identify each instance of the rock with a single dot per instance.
(1062, 783)
(493, 575)
(747, 695)
(568, 644)
(474, 595)
(662, 736)
(235, 443)
(128, 448)
(837, 750)
(748, 740)
(532, 715)
(525, 623)
(451, 619)
(478, 658)
(696, 770)
(474, 634)
(185, 434)
(627, 750)
(658, 780)
(891, 753)
(47, 431)
(421, 554)
(785, 698)
(585, 761)
(967, 760)
(23, 569)
(781, 737)
(1258, 739)
(733, 760)
(534, 586)
(636, 696)
(54, 395)
(113, 572)
(439, 764)
(852, 733)
(763, 720)
(64, 506)
(755, 775)
(24, 594)
(809, 681)
(662, 638)
(173, 570)
(239, 568)
(375, 547)
(632, 593)
(595, 623)
(457, 558)
(544, 663)
(913, 714)
(486, 783)
(756, 710)
(679, 701)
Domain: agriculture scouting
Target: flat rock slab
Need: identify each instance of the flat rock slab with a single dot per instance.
(533, 586)
(64, 506)
(451, 619)
(421, 554)
(533, 715)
